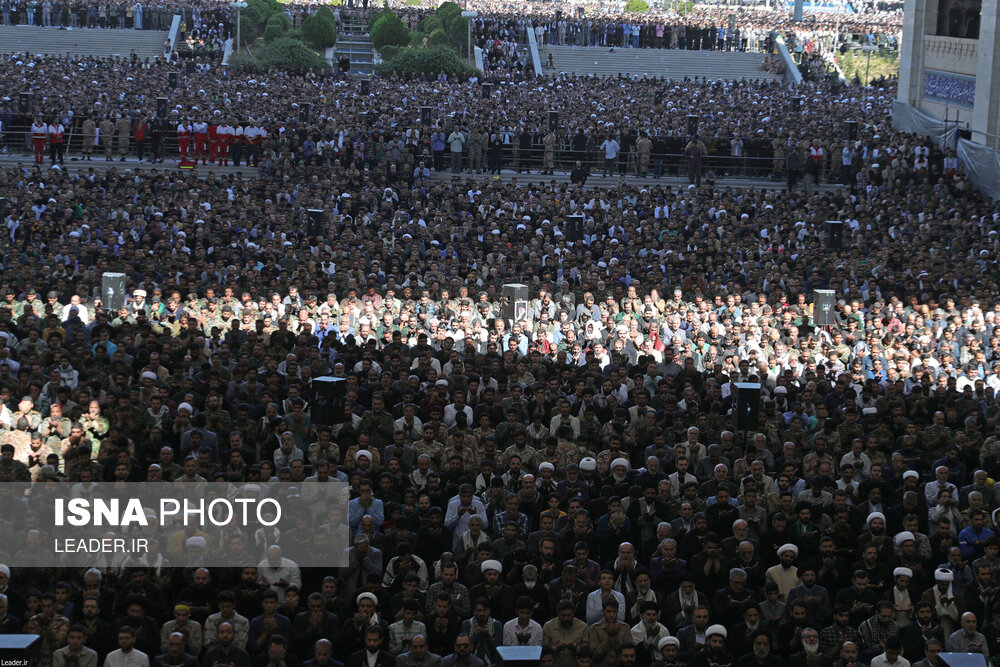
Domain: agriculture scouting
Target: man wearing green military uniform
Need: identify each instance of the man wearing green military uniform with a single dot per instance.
(10, 469)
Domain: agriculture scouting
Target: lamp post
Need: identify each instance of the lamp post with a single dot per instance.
(468, 16)
(239, 5)
(868, 59)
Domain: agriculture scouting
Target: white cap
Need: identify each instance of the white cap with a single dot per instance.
(588, 463)
(671, 641)
(491, 565)
(902, 572)
(367, 596)
(185, 406)
(944, 574)
(873, 516)
(788, 547)
(911, 473)
(905, 536)
(545, 465)
(620, 461)
(362, 452)
(716, 629)
(197, 541)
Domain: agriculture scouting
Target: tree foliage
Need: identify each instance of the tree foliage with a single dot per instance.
(277, 26)
(415, 61)
(389, 30)
(447, 12)
(319, 30)
(289, 55)
(636, 6)
(458, 34)
(373, 19)
(431, 23)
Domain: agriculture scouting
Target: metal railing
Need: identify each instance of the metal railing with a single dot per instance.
(757, 162)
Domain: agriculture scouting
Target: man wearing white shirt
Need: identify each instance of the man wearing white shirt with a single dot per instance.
(239, 138)
(277, 572)
(463, 507)
(522, 631)
(126, 655)
(595, 601)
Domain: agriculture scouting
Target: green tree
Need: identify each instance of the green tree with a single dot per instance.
(458, 34)
(373, 19)
(320, 29)
(277, 26)
(289, 55)
(438, 38)
(419, 62)
(447, 12)
(636, 6)
(431, 23)
(389, 30)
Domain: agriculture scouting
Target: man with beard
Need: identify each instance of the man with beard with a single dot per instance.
(917, 632)
(647, 633)
(813, 596)
(946, 606)
(714, 654)
(485, 632)
(741, 636)
(761, 656)
(789, 640)
(850, 656)
(500, 595)
(785, 574)
(564, 634)
(876, 629)
(810, 655)
(833, 637)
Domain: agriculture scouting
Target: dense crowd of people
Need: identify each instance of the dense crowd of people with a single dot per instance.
(573, 471)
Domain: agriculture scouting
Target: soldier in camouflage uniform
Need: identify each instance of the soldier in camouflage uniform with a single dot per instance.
(55, 428)
(37, 456)
(95, 426)
(379, 423)
(12, 470)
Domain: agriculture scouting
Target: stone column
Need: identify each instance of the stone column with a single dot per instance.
(919, 19)
(986, 114)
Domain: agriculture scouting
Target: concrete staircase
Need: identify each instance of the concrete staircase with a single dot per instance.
(674, 64)
(81, 42)
(353, 40)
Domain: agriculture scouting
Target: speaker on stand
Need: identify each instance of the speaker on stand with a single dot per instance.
(515, 303)
(113, 291)
(823, 313)
(747, 408)
(329, 394)
(835, 234)
(692, 125)
(316, 223)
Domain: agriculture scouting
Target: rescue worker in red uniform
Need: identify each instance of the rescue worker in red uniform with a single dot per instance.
(183, 138)
(39, 135)
(200, 131)
(213, 141)
(56, 145)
